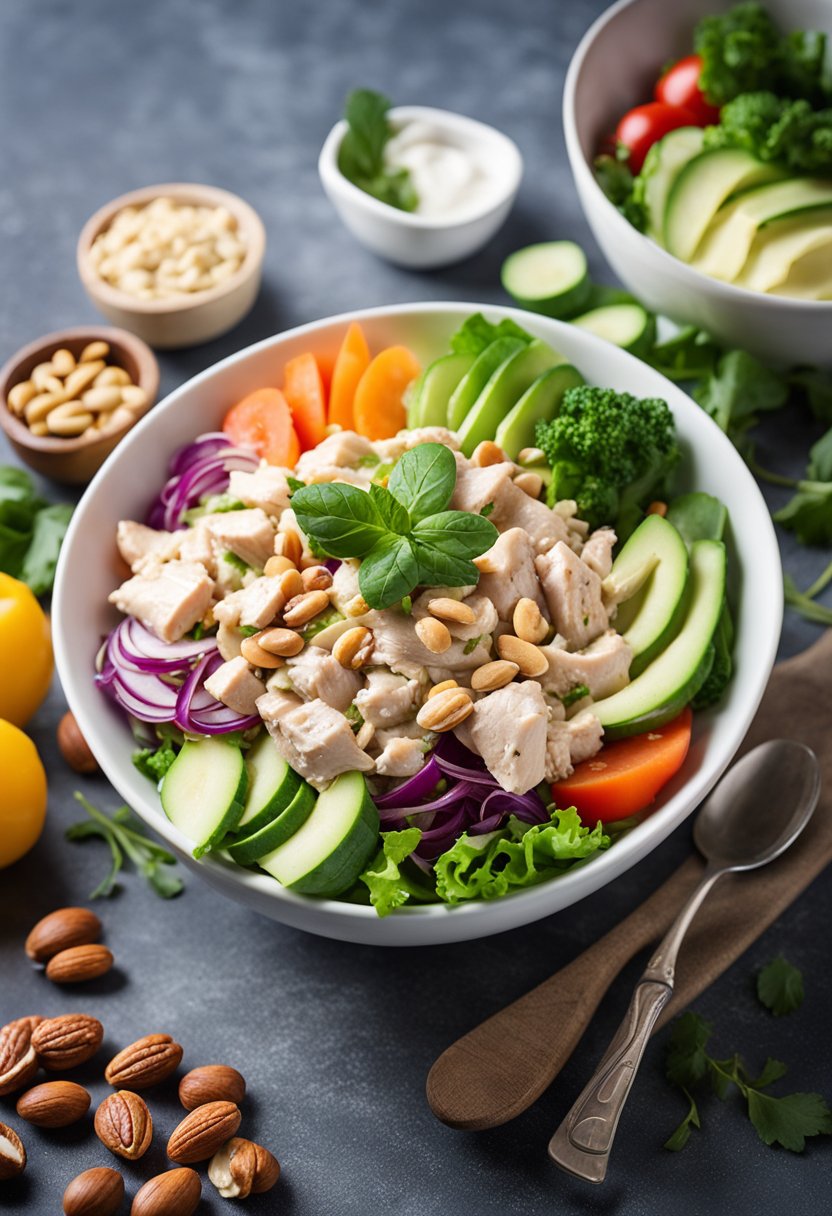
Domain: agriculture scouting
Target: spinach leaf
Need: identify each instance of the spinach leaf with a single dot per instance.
(38, 569)
(424, 479)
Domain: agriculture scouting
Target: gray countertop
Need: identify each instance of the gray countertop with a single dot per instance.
(335, 1040)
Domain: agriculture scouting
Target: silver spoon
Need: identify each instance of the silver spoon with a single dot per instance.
(758, 809)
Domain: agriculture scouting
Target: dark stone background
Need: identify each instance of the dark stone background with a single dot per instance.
(336, 1040)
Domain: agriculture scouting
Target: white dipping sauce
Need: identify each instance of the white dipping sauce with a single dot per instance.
(450, 181)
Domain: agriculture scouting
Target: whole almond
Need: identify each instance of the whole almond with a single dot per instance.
(18, 1060)
(12, 1153)
(123, 1125)
(54, 1104)
(61, 929)
(67, 1041)
(74, 747)
(175, 1193)
(211, 1083)
(242, 1168)
(78, 964)
(96, 1192)
(146, 1062)
(201, 1133)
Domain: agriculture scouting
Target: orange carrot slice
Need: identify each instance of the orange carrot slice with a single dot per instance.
(378, 407)
(350, 365)
(303, 388)
(263, 421)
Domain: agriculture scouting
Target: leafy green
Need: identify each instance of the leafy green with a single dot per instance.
(789, 132)
(389, 572)
(154, 762)
(293, 484)
(389, 887)
(31, 532)
(343, 520)
(122, 832)
(361, 154)
(574, 694)
(738, 391)
(626, 192)
(780, 987)
(475, 334)
(804, 601)
(425, 483)
(722, 667)
(691, 354)
(236, 562)
(317, 625)
(472, 644)
(679, 1138)
(41, 560)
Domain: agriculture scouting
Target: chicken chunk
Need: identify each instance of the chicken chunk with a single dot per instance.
(401, 757)
(137, 544)
(513, 508)
(512, 575)
(568, 743)
(477, 487)
(259, 602)
(508, 729)
(196, 544)
(397, 646)
(603, 667)
(265, 488)
(388, 699)
(314, 739)
(236, 685)
(573, 594)
(249, 534)
(168, 598)
(229, 641)
(314, 673)
(597, 551)
(431, 434)
(344, 585)
(341, 450)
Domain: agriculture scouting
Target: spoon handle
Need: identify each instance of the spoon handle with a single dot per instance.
(583, 1142)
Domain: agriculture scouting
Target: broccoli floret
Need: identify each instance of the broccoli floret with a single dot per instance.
(611, 452)
(777, 129)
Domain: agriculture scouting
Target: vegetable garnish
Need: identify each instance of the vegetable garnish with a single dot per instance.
(780, 987)
(31, 532)
(778, 129)
(122, 832)
(361, 154)
(787, 1121)
(403, 534)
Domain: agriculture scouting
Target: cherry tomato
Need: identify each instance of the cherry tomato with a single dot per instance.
(680, 87)
(645, 125)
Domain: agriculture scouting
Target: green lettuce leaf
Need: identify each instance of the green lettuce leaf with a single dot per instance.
(388, 887)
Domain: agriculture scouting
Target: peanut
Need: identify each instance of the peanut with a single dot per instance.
(291, 584)
(445, 711)
(20, 395)
(302, 608)
(531, 456)
(316, 578)
(357, 606)
(657, 508)
(93, 351)
(531, 661)
(487, 453)
(433, 634)
(283, 642)
(68, 398)
(442, 686)
(353, 648)
(493, 675)
(277, 565)
(289, 544)
(451, 610)
(528, 621)
(257, 655)
(529, 483)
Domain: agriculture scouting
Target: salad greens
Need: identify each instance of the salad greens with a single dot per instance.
(778, 129)
(780, 987)
(122, 832)
(386, 879)
(31, 531)
(402, 532)
(476, 333)
(361, 154)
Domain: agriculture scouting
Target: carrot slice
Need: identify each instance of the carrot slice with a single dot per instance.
(303, 388)
(626, 776)
(378, 407)
(352, 361)
(263, 421)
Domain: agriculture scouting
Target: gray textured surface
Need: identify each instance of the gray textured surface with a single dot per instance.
(336, 1040)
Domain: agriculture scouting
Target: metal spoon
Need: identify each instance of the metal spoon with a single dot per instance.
(758, 809)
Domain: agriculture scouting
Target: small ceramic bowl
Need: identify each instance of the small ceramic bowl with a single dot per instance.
(191, 318)
(75, 460)
(418, 241)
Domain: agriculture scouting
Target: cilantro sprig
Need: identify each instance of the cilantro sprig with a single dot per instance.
(780, 987)
(361, 154)
(122, 832)
(403, 533)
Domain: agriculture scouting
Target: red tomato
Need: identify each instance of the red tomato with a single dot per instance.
(644, 126)
(680, 87)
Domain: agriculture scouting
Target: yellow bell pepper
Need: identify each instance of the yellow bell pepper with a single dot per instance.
(25, 652)
(22, 794)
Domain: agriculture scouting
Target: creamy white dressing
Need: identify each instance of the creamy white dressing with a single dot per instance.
(451, 181)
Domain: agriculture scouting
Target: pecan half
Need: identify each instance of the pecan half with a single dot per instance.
(146, 1062)
(203, 1131)
(67, 1041)
(123, 1125)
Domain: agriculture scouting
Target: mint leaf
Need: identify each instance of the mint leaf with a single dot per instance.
(388, 573)
(456, 533)
(423, 479)
(342, 520)
(790, 1120)
(780, 987)
(361, 154)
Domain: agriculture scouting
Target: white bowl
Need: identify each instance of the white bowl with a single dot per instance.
(125, 485)
(416, 240)
(614, 68)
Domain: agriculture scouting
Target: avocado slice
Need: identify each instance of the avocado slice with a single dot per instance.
(508, 383)
(429, 404)
(540, 402)
(475, 380)
(651, 617)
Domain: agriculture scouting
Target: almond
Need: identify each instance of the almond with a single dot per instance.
(12, 1153)
(176, 1193)
(18, 1061)
(123, 1125)
(78, 964)
(211, 1083)
(54, 1104)
(61, 929)
(74, 747)
(96, 1192)
(203, 1131)
(242, 1168)
(146, 1062)
(67, 1041)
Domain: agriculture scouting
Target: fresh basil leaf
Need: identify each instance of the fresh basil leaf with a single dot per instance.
(437, 569)
(423, 480)
(341, 519)
(388, 573)
(456, 533)
(394, 516)
(38, 569)
(294, 484)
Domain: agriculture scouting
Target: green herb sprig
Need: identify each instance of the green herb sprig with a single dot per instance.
(31, 532)
(780, 987)
(122, 832)
(361, 154)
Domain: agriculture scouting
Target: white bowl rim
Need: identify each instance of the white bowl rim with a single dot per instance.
(581, 167)
(625, 851)
(332, 176)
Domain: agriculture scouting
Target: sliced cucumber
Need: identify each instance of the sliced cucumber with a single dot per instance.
(651, 618)
(551, 278)
(247, 848)
(504, 389)
(429, 403)
(540, 402)
(271, 785)
(203, 791)
(328, 852)
(663, 164)
(626, 325)
(472, 384)
(675, 676)
(701, 188)
(782, 245)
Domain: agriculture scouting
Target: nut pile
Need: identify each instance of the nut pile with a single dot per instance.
(65, 397)
(211, 1095)
(168, 249)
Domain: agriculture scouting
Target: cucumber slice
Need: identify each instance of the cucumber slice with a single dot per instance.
(675, 676)
(472, 384)
(429, 404)
(328, 852)
(551, 278)
(203, 791)
(652, 616)
(271, 785)
(663, 164)
(626, 325)
(540, 402)
(247, 848)
(503, 390)
(701, 188)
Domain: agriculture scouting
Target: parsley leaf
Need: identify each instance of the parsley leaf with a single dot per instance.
(739, 389)
(31, 533)
(780, 987)
(687, 1060)
(678, 1139)
(361, 154)
(788, 1121)
(122, 833)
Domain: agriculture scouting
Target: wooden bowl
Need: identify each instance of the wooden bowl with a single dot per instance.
(75, 460)
(183, 320)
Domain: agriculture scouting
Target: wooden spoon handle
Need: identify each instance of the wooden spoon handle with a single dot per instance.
(499, 1068)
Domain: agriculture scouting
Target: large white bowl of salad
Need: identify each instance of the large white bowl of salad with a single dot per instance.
(419, 624)
(700, 138)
